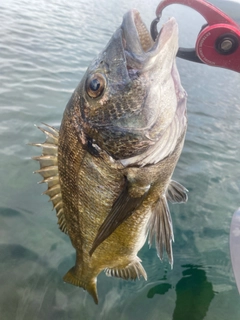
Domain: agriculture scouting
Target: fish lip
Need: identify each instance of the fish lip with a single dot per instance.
(140, 49)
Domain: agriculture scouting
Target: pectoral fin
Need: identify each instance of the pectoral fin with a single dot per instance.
(160, 224)
(122, 208)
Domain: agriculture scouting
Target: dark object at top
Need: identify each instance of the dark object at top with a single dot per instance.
(218, 42)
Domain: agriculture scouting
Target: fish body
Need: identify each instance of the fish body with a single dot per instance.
(109, 167)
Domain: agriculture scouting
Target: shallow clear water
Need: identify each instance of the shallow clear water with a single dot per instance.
(45, 46)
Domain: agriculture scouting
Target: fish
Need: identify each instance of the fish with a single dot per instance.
(109, 167)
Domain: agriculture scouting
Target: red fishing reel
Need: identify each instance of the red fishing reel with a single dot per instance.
(218, 43)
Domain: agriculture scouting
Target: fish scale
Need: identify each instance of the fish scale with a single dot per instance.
(109, 167)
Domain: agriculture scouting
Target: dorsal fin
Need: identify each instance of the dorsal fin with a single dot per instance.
(49, 171)
(133, 271)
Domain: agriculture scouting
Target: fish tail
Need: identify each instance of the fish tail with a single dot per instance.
(73, 277)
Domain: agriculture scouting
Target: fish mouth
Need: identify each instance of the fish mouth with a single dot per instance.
(154, 63)
(141, 51)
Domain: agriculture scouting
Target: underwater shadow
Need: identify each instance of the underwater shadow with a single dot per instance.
(194, 294)
(8, 212)
(161, 288)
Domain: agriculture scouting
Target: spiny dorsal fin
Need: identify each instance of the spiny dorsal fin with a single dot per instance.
(160, 224)
(176, 192)
(133, 271)
(49, 171)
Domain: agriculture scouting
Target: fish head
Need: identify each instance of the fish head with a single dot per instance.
(129, 94)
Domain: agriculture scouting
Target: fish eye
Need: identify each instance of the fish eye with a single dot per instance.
(95, 85)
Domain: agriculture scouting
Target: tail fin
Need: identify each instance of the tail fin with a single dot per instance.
(72, 277)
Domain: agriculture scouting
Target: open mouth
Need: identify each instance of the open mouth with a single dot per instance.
(140, 49)
(144, 37)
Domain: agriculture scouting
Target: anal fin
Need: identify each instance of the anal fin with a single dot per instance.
(133, 271)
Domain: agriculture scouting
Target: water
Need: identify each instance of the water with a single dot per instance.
(45, 46)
